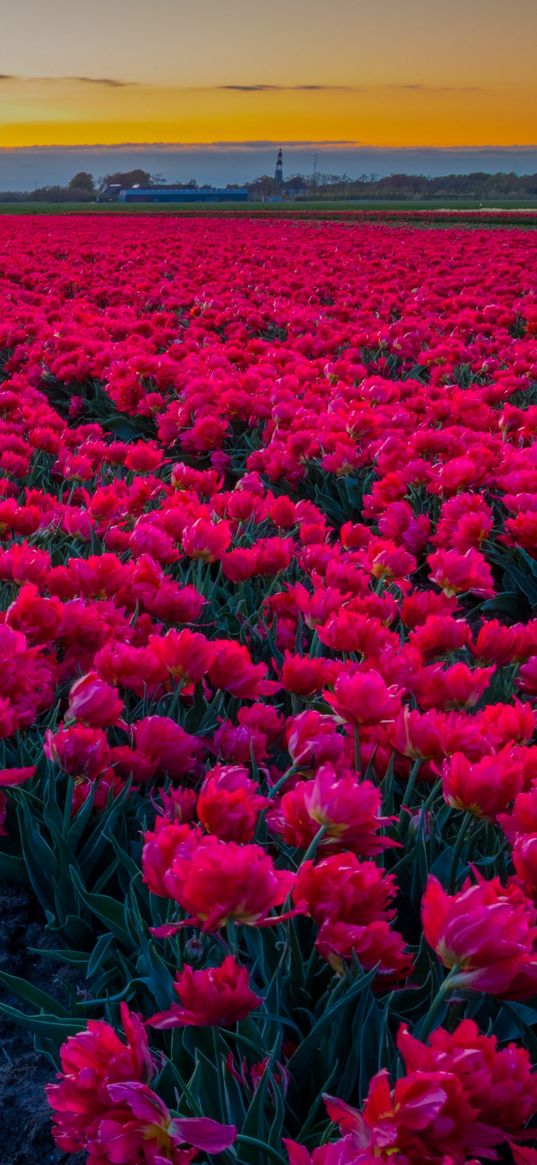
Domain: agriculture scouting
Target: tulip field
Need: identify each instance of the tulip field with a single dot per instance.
(268, 685)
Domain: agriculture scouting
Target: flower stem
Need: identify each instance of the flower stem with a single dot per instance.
(457, 849)
(428, 1022)
(312, 848)
(289, 773)
(411, 781)
(357, 750)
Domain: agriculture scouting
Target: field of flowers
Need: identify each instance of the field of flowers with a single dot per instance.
(268, 684)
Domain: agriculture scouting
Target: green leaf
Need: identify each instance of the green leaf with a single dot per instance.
(40, 860)
(59, 955)
(24, 990)
(301, 1061)
(105, 908)
(254, 1124)
(102, 948)
(53, 1026)
(13, 868)
(98, 842)
(523, 1029)
(156, 976)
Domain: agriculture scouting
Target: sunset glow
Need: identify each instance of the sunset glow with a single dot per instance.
(216, 73)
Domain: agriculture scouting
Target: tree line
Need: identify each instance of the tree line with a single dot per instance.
(83, 187)
(477, 185)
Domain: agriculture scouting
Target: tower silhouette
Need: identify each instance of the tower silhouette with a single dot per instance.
(278, 173)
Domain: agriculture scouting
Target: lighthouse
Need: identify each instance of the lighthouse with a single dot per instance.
(278, 173)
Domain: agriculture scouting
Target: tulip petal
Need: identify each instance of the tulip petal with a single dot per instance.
(203, 1133)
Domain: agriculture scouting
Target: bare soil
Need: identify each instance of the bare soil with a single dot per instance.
(25, 1137)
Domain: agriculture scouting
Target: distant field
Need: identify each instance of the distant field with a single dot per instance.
(287, 209)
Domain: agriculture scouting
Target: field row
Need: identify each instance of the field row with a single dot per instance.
(268, 684)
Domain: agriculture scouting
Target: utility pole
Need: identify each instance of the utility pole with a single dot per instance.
(315, 159)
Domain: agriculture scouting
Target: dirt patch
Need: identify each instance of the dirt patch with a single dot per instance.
(25, 1136)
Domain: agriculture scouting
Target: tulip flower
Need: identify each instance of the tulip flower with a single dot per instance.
(103, 1103)
(460, 1099)
(486, 935)
(229, 803)
(93, 702)
(485, 788)
(214, 881)
(232, 670)
(345, 808)
(206, 540)
(362, 697)
(216, 996)
(456, 573)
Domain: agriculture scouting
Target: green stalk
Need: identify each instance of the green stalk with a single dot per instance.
(424, 1028)
(312, 848)
(357, 750)
(218, 1064)
(242, 1139)
(462, 836)
(411, 781)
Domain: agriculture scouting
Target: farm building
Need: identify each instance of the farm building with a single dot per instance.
(181, 194)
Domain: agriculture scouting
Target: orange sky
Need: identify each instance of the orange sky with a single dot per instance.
(378, 72)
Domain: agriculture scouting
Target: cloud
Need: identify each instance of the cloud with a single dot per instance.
(265, 144)
(106, 82)
(186, 147)
(346, 146)
(109, 82)
(261, 88)
(392, 87)
(249, 88)
(414, 88)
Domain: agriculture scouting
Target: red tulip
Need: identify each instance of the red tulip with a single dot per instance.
(486, 935)
(485, 788)
(456, 573)
(231, 669)
(229, 803)
(344, 888)
(347, 809)
(93, 702)
(216, 881)
(217, 996)
(362, 697)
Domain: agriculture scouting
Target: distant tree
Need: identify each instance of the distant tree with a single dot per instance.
(128, 178)
(262, 187)
(296, 182)
(48, 194)
(82, 181)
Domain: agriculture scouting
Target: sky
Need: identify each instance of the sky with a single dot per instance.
(350, 75)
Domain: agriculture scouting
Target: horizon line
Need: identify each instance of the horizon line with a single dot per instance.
(341, 144)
